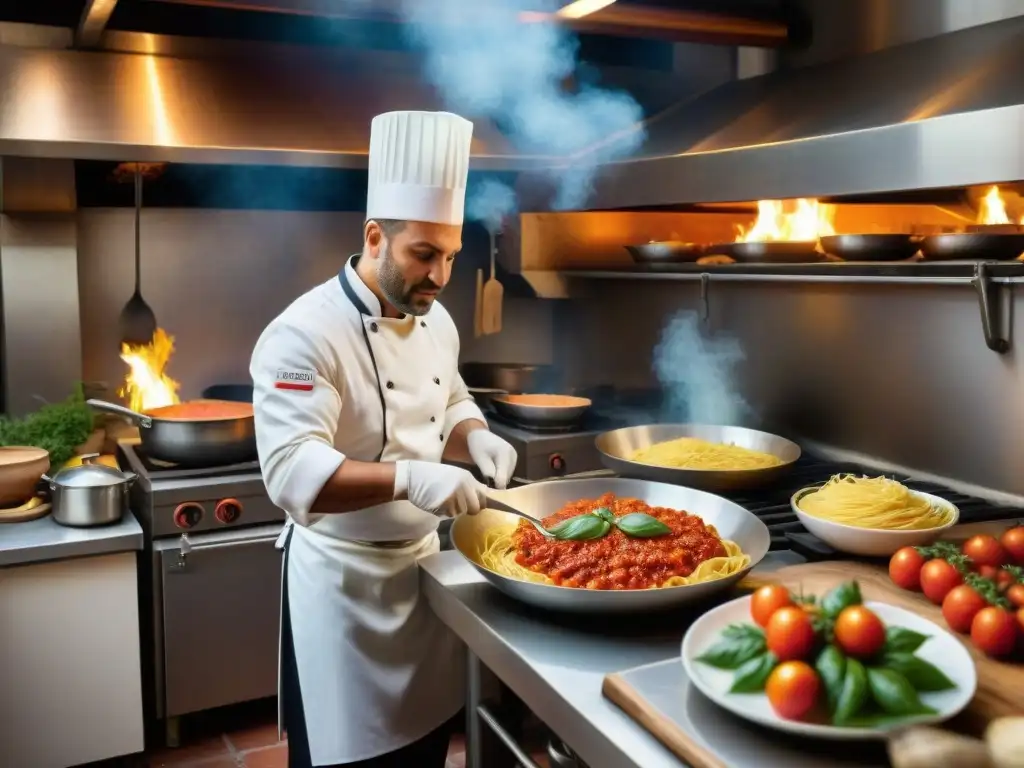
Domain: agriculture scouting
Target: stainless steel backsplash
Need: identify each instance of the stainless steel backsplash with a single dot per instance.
(901, 374)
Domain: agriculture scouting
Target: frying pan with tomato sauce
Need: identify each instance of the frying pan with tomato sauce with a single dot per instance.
(196, 433)
(541, 410)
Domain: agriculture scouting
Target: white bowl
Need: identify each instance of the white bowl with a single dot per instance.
(872, 542)
(941, 649)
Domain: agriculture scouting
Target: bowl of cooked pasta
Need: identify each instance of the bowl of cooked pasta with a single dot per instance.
(630, 546)
(872, 516)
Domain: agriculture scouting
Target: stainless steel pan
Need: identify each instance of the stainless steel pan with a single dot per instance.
(618, 445)
(191, 442)
(541, 499)
(519, 408)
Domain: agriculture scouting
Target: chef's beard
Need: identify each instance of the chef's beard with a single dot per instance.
(392, 285)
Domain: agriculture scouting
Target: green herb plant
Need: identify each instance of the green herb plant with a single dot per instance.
(57, 427)
(858, 692)
(596, 524)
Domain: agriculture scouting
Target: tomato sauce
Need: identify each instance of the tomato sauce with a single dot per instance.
(617, 561)
(202, 410)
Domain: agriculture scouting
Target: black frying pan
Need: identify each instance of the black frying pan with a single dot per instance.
(971, 245)
(666, 252)
(871, 247)
(781, 252)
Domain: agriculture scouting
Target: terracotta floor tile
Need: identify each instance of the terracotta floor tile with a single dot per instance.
(269, 757)
(226, 760)
(187, 755)
(264, 735)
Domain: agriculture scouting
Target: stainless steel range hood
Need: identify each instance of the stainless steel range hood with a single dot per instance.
(943, 112)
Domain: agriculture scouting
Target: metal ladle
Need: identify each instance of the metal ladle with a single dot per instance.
(137, 321)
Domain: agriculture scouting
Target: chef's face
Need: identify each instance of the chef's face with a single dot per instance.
(414, 261)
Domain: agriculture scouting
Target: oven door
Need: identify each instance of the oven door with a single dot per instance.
(219, 606)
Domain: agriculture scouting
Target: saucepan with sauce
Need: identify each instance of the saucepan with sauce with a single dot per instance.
(198, 433)
(541, 410)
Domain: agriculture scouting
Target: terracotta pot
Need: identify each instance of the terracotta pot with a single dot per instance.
(21, 468)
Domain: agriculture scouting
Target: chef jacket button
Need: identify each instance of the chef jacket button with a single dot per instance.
(433, 418)
(390, 385)
(437, 380)
(423, 324)
(442, 438)
(373, 327)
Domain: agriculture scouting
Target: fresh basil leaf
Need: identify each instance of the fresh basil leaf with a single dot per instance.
(894, 693)
(902, 640)
(581, 528)
(840, 597)
(641, 526)
(735, 649)
(854, 693)
(874, 719)
(921, 674)
(751, 676)
(831, 666)
(743, 630)
(605, 514)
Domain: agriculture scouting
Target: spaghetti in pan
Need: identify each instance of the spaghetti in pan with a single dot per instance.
(682, 550)
(694, 453)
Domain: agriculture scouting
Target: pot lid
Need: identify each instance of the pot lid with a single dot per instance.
(89, 476)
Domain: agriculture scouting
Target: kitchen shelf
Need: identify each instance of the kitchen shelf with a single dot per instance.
(982, 276)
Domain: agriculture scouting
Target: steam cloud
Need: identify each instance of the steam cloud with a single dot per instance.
(696, 374)
(486, 63)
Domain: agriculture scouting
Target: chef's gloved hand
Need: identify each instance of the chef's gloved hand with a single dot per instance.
(438, 488)
(495, 458)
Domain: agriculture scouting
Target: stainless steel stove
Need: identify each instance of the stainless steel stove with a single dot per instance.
(211, 585)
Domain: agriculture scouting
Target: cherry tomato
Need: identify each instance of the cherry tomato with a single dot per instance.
(859, 632)
(1013, 542)
(960, 606)
(1015, 594)
(937, 578)
(792, 689)
(789, 633)
(987, 571)
(1004, 579)
(994, 631)
(985, 550)
(767, 600)
(905, 568)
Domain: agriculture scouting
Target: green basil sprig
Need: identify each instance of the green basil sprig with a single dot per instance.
(594, 525)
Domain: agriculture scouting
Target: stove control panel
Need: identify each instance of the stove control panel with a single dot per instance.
(188, 515)
(228, 511)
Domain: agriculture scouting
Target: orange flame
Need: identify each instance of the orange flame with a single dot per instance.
(992, 208)
(800, 220)
(146, 385)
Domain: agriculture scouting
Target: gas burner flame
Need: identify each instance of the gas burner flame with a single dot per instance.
(801, 220)
(992, 209)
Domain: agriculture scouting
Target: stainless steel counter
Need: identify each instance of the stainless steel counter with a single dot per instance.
(556, 664)
(39, 540)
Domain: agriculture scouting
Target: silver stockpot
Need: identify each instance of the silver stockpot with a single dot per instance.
(90, 494)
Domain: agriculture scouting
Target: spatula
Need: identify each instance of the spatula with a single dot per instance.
(478, 309)
(493, 293)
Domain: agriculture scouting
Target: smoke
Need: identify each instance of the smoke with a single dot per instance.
(696, 374)
(486, 62)
(489, 202)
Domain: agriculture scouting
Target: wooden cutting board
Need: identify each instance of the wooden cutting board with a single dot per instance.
(1000, 684)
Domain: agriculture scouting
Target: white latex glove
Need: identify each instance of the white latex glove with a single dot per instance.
(495, 458)
(438, 488)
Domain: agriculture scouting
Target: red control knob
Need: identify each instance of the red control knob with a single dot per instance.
(557, 462)
(228, 510)
(188, 515)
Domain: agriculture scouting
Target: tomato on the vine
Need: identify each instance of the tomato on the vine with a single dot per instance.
(994, 631)
(960, 607)
(985, 550)
(1004, 579)
(768, 599)
(1015, 594)
(1013, 542)
(859, 632)
(937, 578)
(792, 689)
(987, 571)
(905, 568)
(790, 634)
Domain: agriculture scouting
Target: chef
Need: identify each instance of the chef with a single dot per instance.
(357, 399)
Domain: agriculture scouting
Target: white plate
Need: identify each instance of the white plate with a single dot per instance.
(941, 649)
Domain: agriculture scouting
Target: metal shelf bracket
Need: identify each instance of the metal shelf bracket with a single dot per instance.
(990, 305)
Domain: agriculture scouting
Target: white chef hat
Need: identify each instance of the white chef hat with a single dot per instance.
(418, 165)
